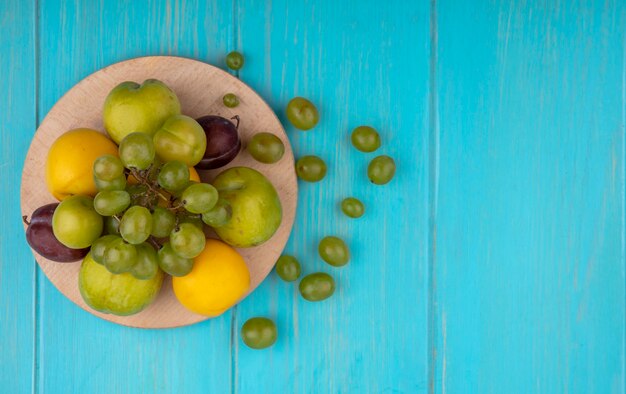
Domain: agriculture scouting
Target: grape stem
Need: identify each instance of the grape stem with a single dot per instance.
(236, 117)
(154, 243)
(144, 181)
(25, 219)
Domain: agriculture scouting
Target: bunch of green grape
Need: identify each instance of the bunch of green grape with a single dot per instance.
(154, 213)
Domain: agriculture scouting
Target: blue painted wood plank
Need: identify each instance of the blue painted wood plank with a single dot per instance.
(79, 352)
(17, 126)
(529, 269)
(360, 63)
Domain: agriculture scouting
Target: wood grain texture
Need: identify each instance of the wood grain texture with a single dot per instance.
(530, 281)
(17, 123)
(360, 63)
(200, 88)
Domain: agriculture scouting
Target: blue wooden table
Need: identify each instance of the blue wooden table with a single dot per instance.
(493, 263)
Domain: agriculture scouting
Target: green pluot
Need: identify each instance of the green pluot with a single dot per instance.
(132, 107)
(117, 294)
(256, 208)
(180, 138)
(75, 222)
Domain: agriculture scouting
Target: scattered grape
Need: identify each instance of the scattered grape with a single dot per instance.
(302, 113)
(381, 170)
(365, 139)
(311, 168)
(266, 148)
(352, 207)
(288, 268)
(317, 287)
(334, 251)
(259, 333)
(234, 60)
(230, 100)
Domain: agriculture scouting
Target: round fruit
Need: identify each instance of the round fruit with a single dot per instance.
(302, 113)
(187, 240)
(75, 222)
(230, 100)
(116, 294)
(137, 151)
(119, 256)
(41, 238)
(223, 142)
(174, 176)
(218, 280)
(70, 161)
(180, 138)
(317, 287)
(99, 247)
(352, 207)
(365, 139)
(256, 208)
(234, 60)
(259, 333)
(118, 183)
(136, 224)
(193, 175)
(144, 108)
(108, 167)
(172, 263)
(381, 170)
(266, 148)
(111, 202)
(219, 215)
(111, 225)
(288, 268)
(199, 198)
(163, 222)
(311, 168)
(147, 265)
(334, 251)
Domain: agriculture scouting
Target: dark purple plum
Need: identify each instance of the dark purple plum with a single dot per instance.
(222, 142)
(41, 238)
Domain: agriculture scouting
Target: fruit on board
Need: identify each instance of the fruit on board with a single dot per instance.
(302, 113)
(180, 138)
(117, 294)
(317, 287)
(131, 107)
(259, 333)
(70, 162)
(223, 143)
(41, 238)
(75, 222)
(219, 278)
(256, 208)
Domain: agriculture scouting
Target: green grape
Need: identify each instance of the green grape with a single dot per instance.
(199, 197)
(317, 287)
(311, 168)
(174, 176)
(137, 151)
(266, 148)
(191, 218)
(187, 240)
(163, 222)
(381, 170)
(108, 167)
(302, 113)
(118, 183)
(234, 60)
(334, 251)
(352, 207)
(365, 139)
(230, 100)
(120, 256)
(139, 195)
(99, 247)
(172, 263)
(147, 264)
(136, 224)
(288, 268)
(219, 215)
(259, 333)
(111, 202)
(111, 225)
